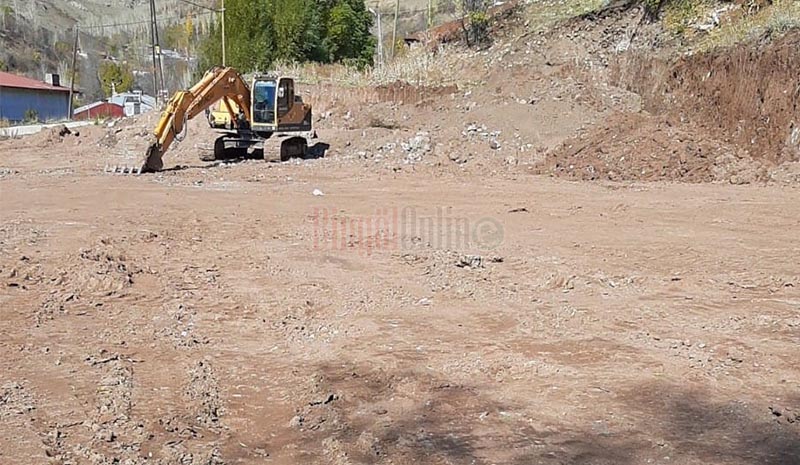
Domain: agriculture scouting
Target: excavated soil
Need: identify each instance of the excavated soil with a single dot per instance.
(415, 292)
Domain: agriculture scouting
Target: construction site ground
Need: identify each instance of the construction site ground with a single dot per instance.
(448, 279)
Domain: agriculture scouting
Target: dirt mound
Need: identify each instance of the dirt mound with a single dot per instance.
(650, 148)
(748, 95)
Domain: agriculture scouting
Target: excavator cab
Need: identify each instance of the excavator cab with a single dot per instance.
(276, 107)
(264, 106)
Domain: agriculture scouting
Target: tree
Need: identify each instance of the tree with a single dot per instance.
(475, 21)
(290, 26)
(348, 37)
(260, 32)
(179, 36)
(250, 35)
(115, 76)
(210, 51)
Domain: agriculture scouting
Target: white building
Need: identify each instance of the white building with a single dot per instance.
(134, 103)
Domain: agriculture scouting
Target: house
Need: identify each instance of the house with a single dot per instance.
(97, 110)
(134, 103)
(23, 99)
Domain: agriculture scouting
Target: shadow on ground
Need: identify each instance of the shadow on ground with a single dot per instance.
(371, 416)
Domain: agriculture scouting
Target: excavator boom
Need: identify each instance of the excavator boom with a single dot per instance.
(218, 84)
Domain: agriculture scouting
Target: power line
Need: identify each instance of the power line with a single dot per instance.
(134, 23)
(200, 6)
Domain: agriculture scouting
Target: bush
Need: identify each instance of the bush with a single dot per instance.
(478, 29)
(31, 116)
(475, 21)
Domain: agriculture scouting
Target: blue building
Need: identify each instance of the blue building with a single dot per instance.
(20, 96)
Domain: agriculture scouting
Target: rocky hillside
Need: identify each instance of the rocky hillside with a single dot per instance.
(36, 37)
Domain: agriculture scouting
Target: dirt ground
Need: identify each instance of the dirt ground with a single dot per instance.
(428, 289)
(220, 314)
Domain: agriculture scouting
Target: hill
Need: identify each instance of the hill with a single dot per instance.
(38, 37)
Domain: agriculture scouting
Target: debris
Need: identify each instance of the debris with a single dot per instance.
(318, 193)
(417, 147)
(470, 261)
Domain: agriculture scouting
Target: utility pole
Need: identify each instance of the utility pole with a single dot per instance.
(394, 32)
(380, 37)
(153, 45)
(377, 13)
(72, 79)
(158, 50)
(223, 34)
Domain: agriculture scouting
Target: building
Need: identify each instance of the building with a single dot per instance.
(97, 110)
(134, 103)
(22, 98)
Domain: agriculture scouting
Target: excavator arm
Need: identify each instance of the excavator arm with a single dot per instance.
(218, 84)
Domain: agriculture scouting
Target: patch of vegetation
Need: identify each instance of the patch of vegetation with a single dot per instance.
(115, 76)
(679, 15)
(546, 14)
(776, 19)
(31, 116)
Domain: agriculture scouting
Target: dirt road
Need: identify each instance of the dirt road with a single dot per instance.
(222, 314)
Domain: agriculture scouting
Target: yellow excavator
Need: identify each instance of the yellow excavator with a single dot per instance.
(266, 107)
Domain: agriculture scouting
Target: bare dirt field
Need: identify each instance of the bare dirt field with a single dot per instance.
(216, 314)
(434, 288)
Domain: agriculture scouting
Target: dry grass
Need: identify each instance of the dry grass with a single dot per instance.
(417, 65)
(448, 65)
(542, 15)
(778, 18)
(681, 17)
(451, 64)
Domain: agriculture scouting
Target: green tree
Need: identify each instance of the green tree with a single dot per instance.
(115, 76)
(348, 33)
(210, 51)
(259, 32)
(250, 35)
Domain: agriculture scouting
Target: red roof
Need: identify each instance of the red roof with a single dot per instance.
(21, 82)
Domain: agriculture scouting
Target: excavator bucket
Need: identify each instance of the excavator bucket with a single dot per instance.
(154, 161)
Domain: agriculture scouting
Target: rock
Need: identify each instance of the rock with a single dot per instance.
(417, 147)
(470, 261)
(456, 157)
(106, 435)
(317, 193)
(494, 145)
(59, 131)
(296, 421)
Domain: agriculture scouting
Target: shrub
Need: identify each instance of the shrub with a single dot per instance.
(31, 116)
